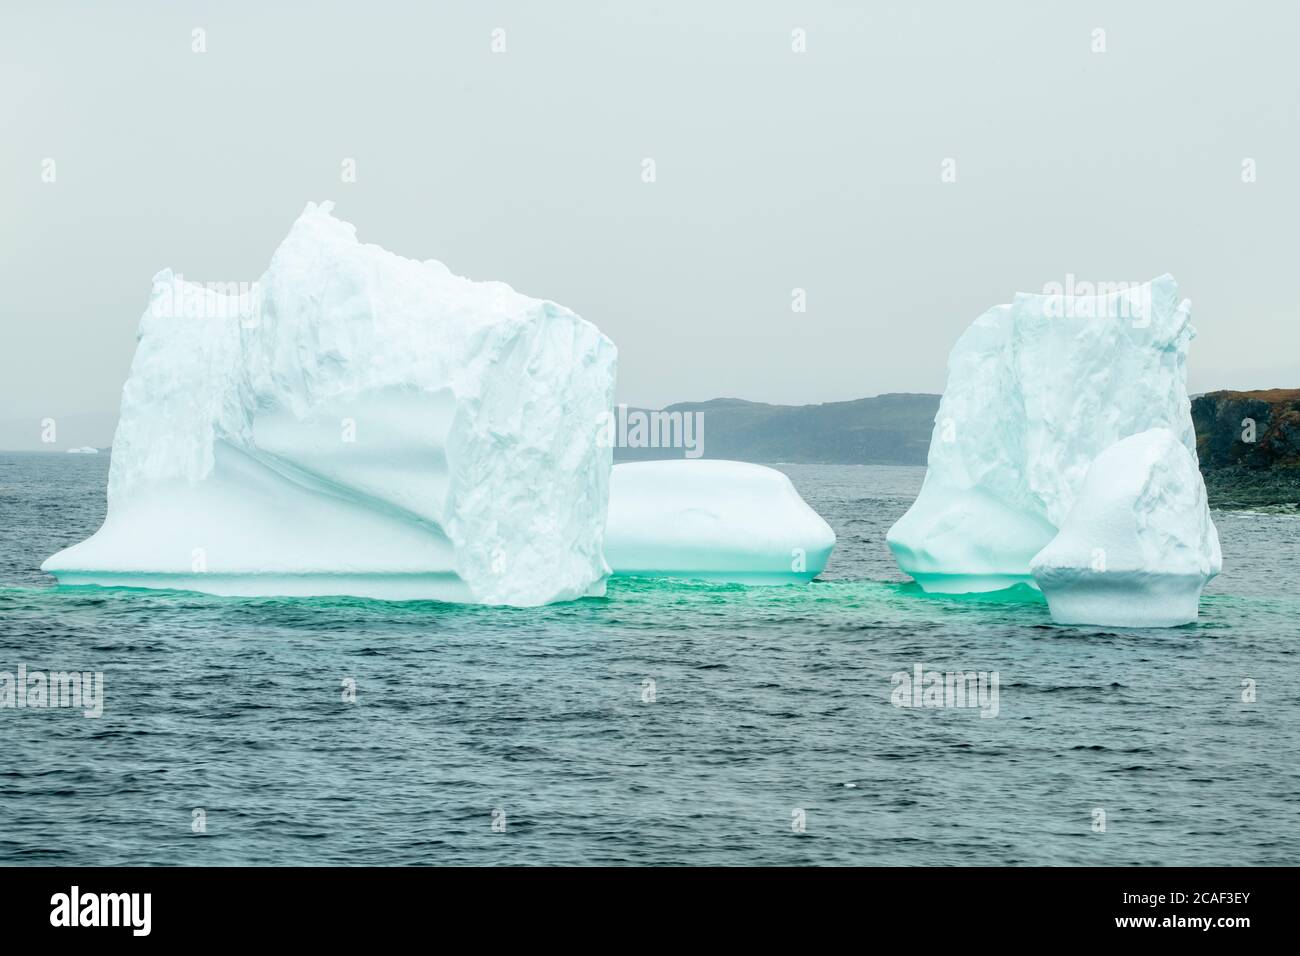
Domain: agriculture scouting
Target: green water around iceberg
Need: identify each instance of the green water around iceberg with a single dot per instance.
(668, 722)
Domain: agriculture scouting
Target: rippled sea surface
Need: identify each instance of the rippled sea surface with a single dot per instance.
(770, 706)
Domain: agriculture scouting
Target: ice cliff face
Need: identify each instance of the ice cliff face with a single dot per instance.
(1138, 545)
(358, 423)
(1036, 391)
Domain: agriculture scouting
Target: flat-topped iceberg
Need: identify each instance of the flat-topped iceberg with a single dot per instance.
(357, 423)
(713, 520)
(1138, 545)
(1036, 391)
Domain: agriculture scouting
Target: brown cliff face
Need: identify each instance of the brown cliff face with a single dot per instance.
(1241, 473)
(1248, 430)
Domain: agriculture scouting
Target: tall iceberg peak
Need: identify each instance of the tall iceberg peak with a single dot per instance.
(1036, 391)
(357, 423)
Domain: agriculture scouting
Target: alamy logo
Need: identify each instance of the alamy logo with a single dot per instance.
(1082, 299)
(176, 298)
(923, 688)
(102, 909)
(622, 428)
(36, 690)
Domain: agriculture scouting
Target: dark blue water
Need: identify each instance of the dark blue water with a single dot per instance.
(767, 702)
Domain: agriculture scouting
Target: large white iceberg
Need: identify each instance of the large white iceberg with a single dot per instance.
(357, 423)
(1138, 545)
(1036, 391)
(713, 520)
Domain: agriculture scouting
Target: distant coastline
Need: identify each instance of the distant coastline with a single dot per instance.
(1248, 442)
(890, 429)
(1246, 466)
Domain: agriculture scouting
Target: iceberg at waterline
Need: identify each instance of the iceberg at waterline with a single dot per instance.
(1138, 545)
(357, 423)
(713, 520)
(1036, 391)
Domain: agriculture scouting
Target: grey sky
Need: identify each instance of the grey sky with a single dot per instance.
(775, 170)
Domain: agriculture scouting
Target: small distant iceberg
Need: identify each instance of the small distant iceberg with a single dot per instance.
(84, 450)
(1035, 475)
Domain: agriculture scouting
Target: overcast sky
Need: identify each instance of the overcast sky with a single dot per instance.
(775, 170)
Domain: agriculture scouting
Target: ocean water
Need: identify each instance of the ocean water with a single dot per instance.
(771, 712)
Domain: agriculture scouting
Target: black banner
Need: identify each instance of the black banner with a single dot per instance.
(943, 906)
